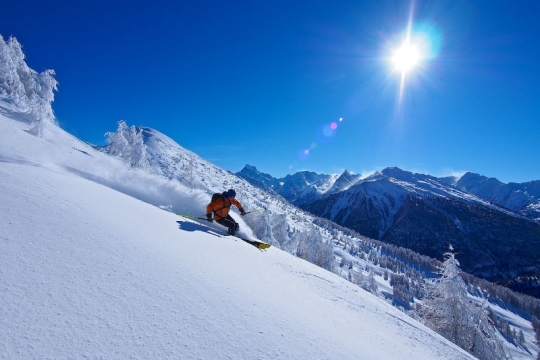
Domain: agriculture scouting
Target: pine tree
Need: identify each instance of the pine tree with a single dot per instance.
(521, 337)
(448, 311)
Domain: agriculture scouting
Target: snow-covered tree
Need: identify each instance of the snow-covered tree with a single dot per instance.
(372, 283)
(264, 224)
(448, 311)
(314, 249)
(25, 90)
(358, 278)
(128, 144)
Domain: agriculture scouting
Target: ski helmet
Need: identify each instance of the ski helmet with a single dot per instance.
(231, 193)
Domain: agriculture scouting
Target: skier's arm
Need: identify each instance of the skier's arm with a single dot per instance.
(210, 209)
(239, 206)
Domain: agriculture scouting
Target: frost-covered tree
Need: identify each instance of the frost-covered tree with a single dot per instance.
(263, 226)
(448, 311)
(313, 248)
(128, 144)
(280, 232)
(25, 90)
(358, 278)
(372, 283)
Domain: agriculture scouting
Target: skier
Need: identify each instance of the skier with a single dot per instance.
(220, 206)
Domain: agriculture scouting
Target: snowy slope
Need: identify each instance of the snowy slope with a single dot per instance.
(90, 272)
(523, 198)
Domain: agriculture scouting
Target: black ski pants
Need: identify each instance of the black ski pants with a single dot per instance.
(229, 222)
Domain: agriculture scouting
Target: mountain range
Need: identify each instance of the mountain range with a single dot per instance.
(494, 227)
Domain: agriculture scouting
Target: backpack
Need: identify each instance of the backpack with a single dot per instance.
(220, 196)
(217, 196)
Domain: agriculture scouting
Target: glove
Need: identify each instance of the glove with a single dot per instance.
(209, 217)
(242, 212)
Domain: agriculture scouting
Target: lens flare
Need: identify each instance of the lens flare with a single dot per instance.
(303, 154)
(326, 132)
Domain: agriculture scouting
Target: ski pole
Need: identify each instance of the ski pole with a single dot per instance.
(192, 217)
(257, 210)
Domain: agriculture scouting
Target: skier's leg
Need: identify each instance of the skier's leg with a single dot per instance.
(223, 222)
(229, 222)
(234, 227)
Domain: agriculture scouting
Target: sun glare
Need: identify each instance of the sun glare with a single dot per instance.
(408, 52)
(406, 58)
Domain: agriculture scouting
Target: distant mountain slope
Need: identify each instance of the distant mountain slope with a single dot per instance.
(424, 214)
(305, 186)
(300, 188)
(523, 198)
(259, 179)
(478, 216)
(343, 182)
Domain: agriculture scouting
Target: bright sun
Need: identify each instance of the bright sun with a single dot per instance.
(406, 58)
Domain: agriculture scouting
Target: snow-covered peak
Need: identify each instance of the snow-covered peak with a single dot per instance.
(343, 182)
(154, 152)
(305, 186)
(259, 179)
(396, 173)
(426, 185)
(523, 198)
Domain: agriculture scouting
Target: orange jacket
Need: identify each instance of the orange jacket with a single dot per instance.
(221, 207)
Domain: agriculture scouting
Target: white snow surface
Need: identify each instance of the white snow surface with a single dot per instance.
(89, 272)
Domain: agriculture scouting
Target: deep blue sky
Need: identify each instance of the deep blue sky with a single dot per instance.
(258, 81)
